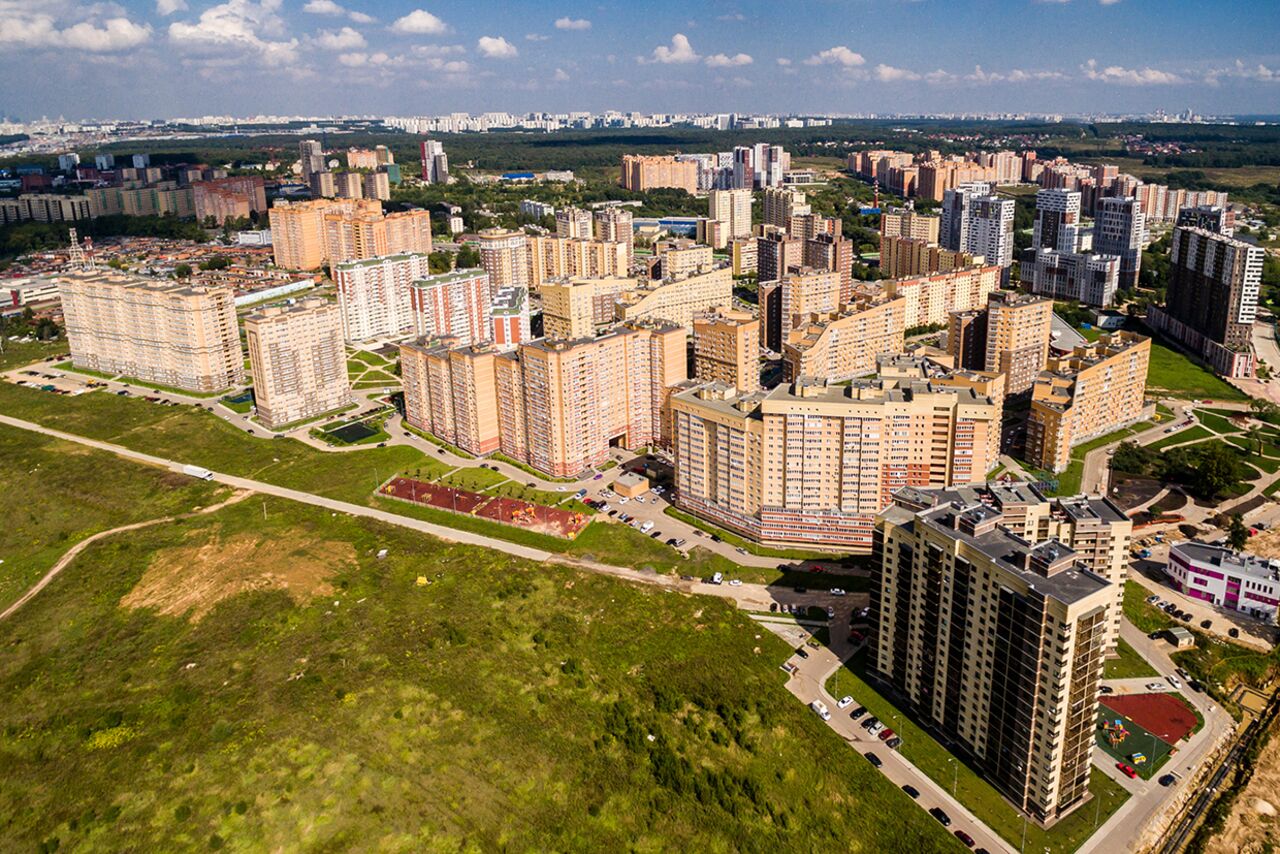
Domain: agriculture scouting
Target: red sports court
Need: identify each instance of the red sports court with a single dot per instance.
(509, 511)
(1163, 715)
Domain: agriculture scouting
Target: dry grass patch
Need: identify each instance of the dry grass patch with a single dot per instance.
(191, 579)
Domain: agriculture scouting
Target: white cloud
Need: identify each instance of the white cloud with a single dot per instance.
(572, 24)
(889, 74)
(353, 60)
(679, 52)
(239, 24)
(324, 7)
(344, 39)
(783, 61)
(535, 37)
(496, 47)
(420, 22)
(839, 55)
(561, 75)
(1129, 76)
(732, 16)
(438, 49)
(1243, 72)
(41, 30)
(168, 7)
(1108, 2)
(721, 60)
(360, 17)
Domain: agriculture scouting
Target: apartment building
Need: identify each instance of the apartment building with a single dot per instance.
(1209, 217)
(776, 253)
(1227, 579)
(1119, 229)
(299, 361)
(909, 224)
(975, 221)
(307, 235)
(1058, 225)
(577, 308)
(456, 304)
(376, 185)
(375, 295)
(731, 211)
(789, 302)
(1010, 336)
(931, 299)
(45, 207)
(1088, 278)
(905, 257)
(675, 259)
(744, 256)
(558, 257)
(1095, 390)
(813, 463)
(782, 206)
(994, 638)
(844, 344)
(558, 406)
(642, 172)
(615, 224)
(726, 348)
(510, 317)
(504, 254)
(1212, 299)
(435, 163)
(159, 198)
(574, 223)
(676, 301)
(156, 330)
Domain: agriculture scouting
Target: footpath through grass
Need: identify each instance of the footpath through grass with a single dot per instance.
(968, 786)
(501, 701)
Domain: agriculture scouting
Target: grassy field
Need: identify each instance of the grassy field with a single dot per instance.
(1176, 375)
(1190, 434)
(17, 353)
(969, 787)
(502, 704)
(1128, 664)
(58, 493)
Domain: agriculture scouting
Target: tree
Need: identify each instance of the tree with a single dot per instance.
(1255, 436)
(468, 256)
(440, 261)
(1237, 533)
(182, 271)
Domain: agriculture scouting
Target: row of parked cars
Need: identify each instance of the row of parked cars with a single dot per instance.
(1177, 613)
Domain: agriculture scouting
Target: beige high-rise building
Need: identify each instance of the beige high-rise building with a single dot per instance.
(679, 258)
(782, 206)
(647, 172)
(348, 185)
(307, 235)
(1095, 390)
(676, 301)
(377, 185)
(615, 224)
(904, 257)
(558, 406)
(299, 361)
(1017, 337)
(799, 295)
(930, 299)
(845, 344)
(504, 254)
(456, 304)
(726, 348)
(155, 330)
(558, 257)
(813, 463)
(576, 308)
(732, 210)
(573, 222)
(908, 223)
(362, 158)
(374, 295)
(996, 637)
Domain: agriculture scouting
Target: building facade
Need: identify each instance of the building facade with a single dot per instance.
(1227, 579)
(375, 295)
(929, 300)
(299, 361)
(726, 348)
(456, 304)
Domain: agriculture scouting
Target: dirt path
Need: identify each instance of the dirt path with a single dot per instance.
(1253, 826)
(75, 550)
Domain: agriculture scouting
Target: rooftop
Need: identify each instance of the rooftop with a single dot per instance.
(1236, 563)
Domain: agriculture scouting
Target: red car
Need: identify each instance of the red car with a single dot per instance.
(965, 838)
(886, 734)
(1127, 770)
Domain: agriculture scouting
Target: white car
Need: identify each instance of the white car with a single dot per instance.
(646, 527)
(876, 728)
(837, 591)
(845, 702)
(735, 582)
(1173, 680)
(821, 709)
(623, 500)
(1155, 686)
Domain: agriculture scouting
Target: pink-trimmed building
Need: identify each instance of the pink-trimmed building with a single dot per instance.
(1240, 582)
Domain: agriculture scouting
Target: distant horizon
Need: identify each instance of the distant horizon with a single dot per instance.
(300, 57)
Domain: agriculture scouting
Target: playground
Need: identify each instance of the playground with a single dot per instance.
(509, 511)
(1129, 742)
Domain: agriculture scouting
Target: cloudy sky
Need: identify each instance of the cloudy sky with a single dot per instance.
(160, 58)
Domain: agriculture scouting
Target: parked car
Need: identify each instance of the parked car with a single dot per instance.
(870, 722)
(837, 591)
(858, 712)
(942, 817)
(845, 702)
(1168, 780)
(1107, 689)
(1233, 632)
(893, 743)
(800, 651)
(820, 709)
(912, 791)
(1206, 624)
(885, 734)
(873, 759)
(1127, 770)
(1173, 680)
(965, 838)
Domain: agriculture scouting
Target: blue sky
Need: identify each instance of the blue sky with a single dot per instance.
(158, 58)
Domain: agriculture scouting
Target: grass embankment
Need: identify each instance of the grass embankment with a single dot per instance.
(1128, 664)
(504, 700)
(57, 493)
(927, 754)
(1173, 374)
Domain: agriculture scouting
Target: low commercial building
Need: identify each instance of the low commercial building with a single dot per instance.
(155, 330)
(1225, 578)
(1095, 390)
(813, 463)
(995, 638)
(298, 360)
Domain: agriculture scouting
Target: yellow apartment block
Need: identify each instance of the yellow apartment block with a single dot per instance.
(299, 361)
(558, 257)
(930, 299)
(845, 344)
(904, 257)
(1093, 391)
(677, 301)
(726, 348)
(577, 307)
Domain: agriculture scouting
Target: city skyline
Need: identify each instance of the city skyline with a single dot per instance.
(116, 60)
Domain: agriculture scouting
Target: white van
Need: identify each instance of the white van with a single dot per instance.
(646, 527)
(820, 708)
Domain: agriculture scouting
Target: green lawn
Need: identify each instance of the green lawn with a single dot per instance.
(1190, 434)
(503, 704)
(474, 479)
(57, 493)
(1173, 373)
(1216, 423)
(522, 492)
(14, 354)
(1129, 663)
(969, 787)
